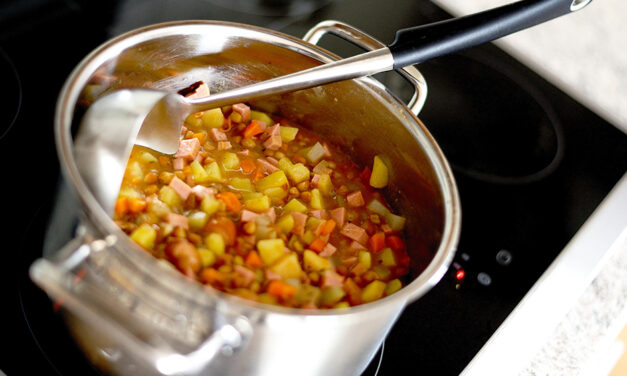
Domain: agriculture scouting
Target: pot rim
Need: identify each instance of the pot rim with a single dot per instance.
(102, 221)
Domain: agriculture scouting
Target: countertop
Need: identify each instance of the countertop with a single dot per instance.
(583, 53)
(572, 321)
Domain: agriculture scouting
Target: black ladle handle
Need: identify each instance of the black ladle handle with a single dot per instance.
(417, 44)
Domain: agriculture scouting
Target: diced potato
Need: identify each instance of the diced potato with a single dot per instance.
(261, 116)
(147, 157)
(276, 179)
(315, 263)
(325, 185)
(365, 258)
(258, 204)
(285, 223)
(308, 236)
(270, 250)
(215, 243)
(396, 222)
(215, 173)
(275, 193)
(230, 161)
(382, 271)
(316, 199)
(169, 196)
(307, 294)
(135, 171)
(331, 295)
(298, 173)
(314, 153)
(377, 207)
(313, 223)
(197, 220)
(287, 267)
(207, 257)
(241, 184)
(285, 164)
(393, 286)
(213, 118)
(129, 192)
(373, 291)
(145, 236)
(295, 205)
(387, 257)
(199, 173)
(379, 175)
(288, 133)
(210, 204)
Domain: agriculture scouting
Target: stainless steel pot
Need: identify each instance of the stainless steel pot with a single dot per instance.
(133, 314)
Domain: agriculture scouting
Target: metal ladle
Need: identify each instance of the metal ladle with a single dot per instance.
(154, 118)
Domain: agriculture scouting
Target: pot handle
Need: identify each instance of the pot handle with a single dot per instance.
(63, 279)
(367, 42)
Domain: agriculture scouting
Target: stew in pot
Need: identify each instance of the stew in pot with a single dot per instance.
(259, 207)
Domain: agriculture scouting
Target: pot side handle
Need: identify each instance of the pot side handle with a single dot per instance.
(67, 288)
(368, 43)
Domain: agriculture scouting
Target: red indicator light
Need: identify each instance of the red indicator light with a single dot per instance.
(460, 274)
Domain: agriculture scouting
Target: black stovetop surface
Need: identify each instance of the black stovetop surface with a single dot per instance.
(531, 164)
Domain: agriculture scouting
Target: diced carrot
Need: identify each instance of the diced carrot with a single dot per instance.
(258, 175)
(317, 245)
(395, 242)
(201, 136)
(327, 227)
(252, 129)
(247, 165)
(281, 289)
(253, 259)
(121, 206)
(377, 241)
(211, 276)
(136, 205)
(230, 200)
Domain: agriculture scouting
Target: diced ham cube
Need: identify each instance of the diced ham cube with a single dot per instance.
(267, 166)
(183, 130)
(271, 213)
(224, 145)
(217, 134)
(339, 216)
(244, 153)
(331, 278)
(247, 274)
(201, 191)
(355, 199)
(299, 223)
(273, 161)
(178, 163)
(271, 276)
(327, 151)
(180, 187)
(328, 250)
(248, 216)
(356, 247)
(177, 220)
(188, 148)
(273, 142)
(319, 213)
(355, 232)
(243, 110)
(315, 179)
